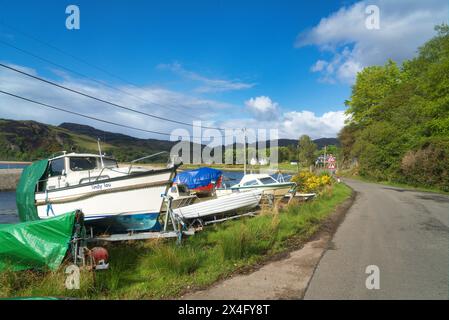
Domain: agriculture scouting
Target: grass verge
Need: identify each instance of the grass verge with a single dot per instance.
(161, 269)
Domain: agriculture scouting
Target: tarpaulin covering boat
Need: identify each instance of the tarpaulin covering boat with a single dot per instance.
(25, 191)
(200, 180)
(40, 244)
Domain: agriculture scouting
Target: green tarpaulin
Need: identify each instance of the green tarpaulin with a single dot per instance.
(37, 244)
(26, 188)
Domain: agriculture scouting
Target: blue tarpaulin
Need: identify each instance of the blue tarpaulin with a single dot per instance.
(198, 178)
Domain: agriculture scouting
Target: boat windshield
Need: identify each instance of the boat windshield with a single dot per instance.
(182, 188)
(251, 183)
(267, 180)
(56, 167)
(110, 163)
(82, 163)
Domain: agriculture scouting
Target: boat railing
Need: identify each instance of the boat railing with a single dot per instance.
(57, 154)
(143, 158)
(99, 175)
(280, 177)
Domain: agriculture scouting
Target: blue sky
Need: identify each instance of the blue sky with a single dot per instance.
(269, 64)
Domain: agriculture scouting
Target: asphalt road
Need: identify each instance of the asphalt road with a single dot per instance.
(405, 233)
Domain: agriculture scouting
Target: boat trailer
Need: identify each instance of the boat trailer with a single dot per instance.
(173, 228)
(96, 258)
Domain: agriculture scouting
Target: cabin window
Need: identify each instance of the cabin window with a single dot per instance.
(251, 183)
(182, 188)
(56, 167)
(267, 180)
(83, 163)
(110, 163)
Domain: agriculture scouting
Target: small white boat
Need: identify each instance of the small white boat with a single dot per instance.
(231, 203)
(111, 198)
(303, 196)
(264, 182)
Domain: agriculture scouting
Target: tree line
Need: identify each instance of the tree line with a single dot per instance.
(398, 127)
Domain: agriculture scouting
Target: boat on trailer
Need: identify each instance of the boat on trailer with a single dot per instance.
(112, 198)
(233, 203)
(260, 181)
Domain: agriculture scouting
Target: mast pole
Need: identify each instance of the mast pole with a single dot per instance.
(99, 150)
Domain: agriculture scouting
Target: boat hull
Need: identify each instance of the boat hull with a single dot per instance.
(231, 203)
(132, 202)
(126, 223)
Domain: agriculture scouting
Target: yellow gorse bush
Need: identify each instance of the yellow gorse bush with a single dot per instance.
(309, 182)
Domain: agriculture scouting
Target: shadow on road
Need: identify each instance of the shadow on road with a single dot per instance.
(431, 197)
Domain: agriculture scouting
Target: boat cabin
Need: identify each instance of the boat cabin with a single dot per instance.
(78, 168)
(259, 179)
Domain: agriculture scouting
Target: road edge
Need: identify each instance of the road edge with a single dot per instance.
(328, 229)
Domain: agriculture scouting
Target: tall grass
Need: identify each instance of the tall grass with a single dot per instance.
(175, 259)
(249, 238)
(161, 269)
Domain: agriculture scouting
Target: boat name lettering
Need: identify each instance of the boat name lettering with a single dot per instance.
(101, 186)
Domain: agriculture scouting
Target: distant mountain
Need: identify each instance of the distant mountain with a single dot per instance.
(117, 138)
(31, 140)
(321, 142)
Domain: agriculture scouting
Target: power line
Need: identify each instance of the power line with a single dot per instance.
(102, 100)
(96, 119)
(87, 116)
(82, 61)
(90, 78)
(64, 52)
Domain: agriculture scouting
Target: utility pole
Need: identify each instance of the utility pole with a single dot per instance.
(325, 156)
(297, 164)
(244, 151)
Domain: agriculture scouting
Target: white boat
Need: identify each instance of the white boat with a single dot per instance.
(261, 181)
(111, 198)
(303, 196)
(231, 203)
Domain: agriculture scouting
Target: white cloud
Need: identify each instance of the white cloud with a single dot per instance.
(262, 107)
(208, 84)
(319, 65)
(293, 124)
(306, 122)
(404, 26)
(153, 100)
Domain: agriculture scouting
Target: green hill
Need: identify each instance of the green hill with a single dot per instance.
(31, 140)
